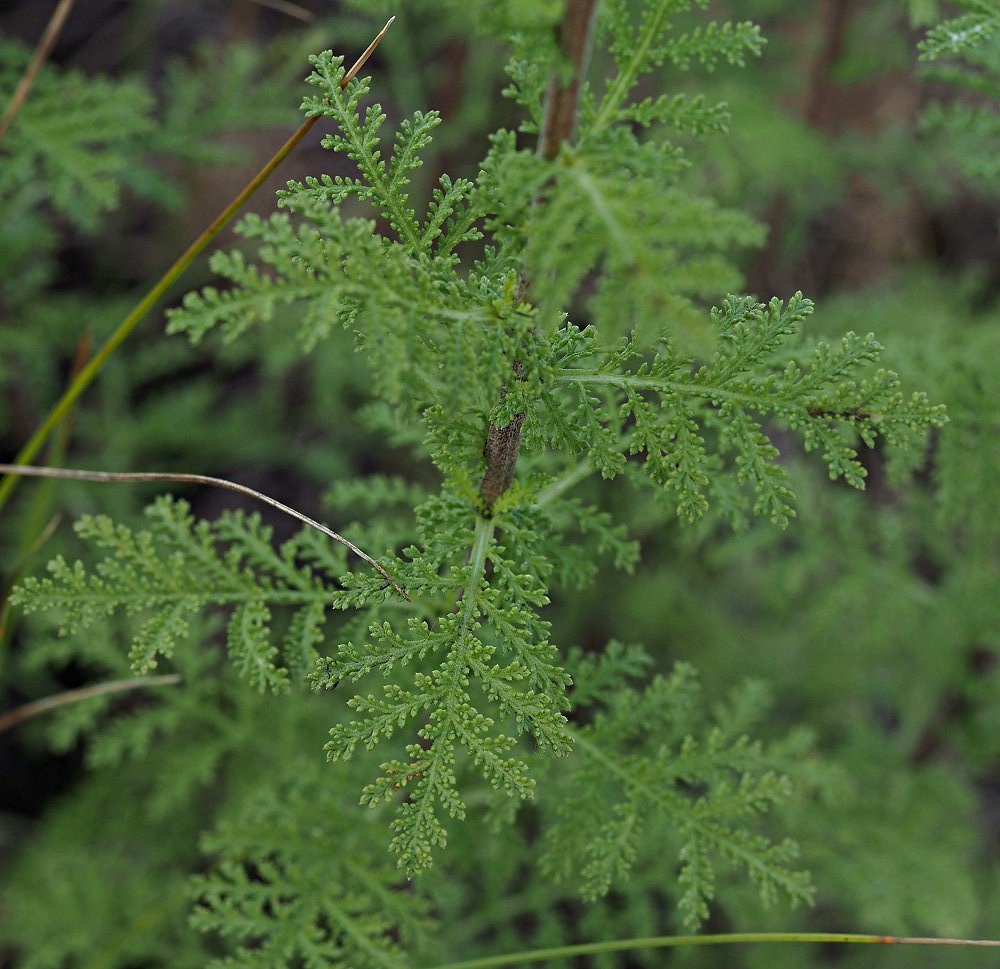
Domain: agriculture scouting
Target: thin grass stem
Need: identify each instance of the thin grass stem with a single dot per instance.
(75, 474)
(680, 941)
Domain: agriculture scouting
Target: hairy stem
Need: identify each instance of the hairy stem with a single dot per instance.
(562, 102)
(503, 445)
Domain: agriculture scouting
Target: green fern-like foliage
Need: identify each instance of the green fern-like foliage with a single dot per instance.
(966, 50)
(84, 156)
(176, 570)
(473, 316)
(962, 33)
(285, 874)
(667, 407)
(270, 890)
(616, 200)
(661, 762)
(493, 637)
(76, 141)
(74, 147)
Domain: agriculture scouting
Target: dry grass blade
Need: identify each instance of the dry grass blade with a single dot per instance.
(136, 476)
(42, 52)
(19, 714)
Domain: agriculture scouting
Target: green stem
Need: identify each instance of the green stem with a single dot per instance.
(477, 566)
(678, 941)
(561, 485)
(623, 381)
(627, 75)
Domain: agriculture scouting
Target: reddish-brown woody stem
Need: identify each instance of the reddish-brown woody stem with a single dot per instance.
(562, 101)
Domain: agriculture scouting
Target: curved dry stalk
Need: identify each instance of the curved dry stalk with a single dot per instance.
(74, 474)
(19, 714)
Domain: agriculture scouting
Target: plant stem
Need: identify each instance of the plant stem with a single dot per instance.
(42, 51)
(730, 938)
(561, 485)
(628, 73)
(89, 372)
(503, 445)
(74, 474)
(19, 714)
(562, 102)
(291, 9)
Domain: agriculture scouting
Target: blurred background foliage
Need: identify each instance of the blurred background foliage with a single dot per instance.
(873, 620)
